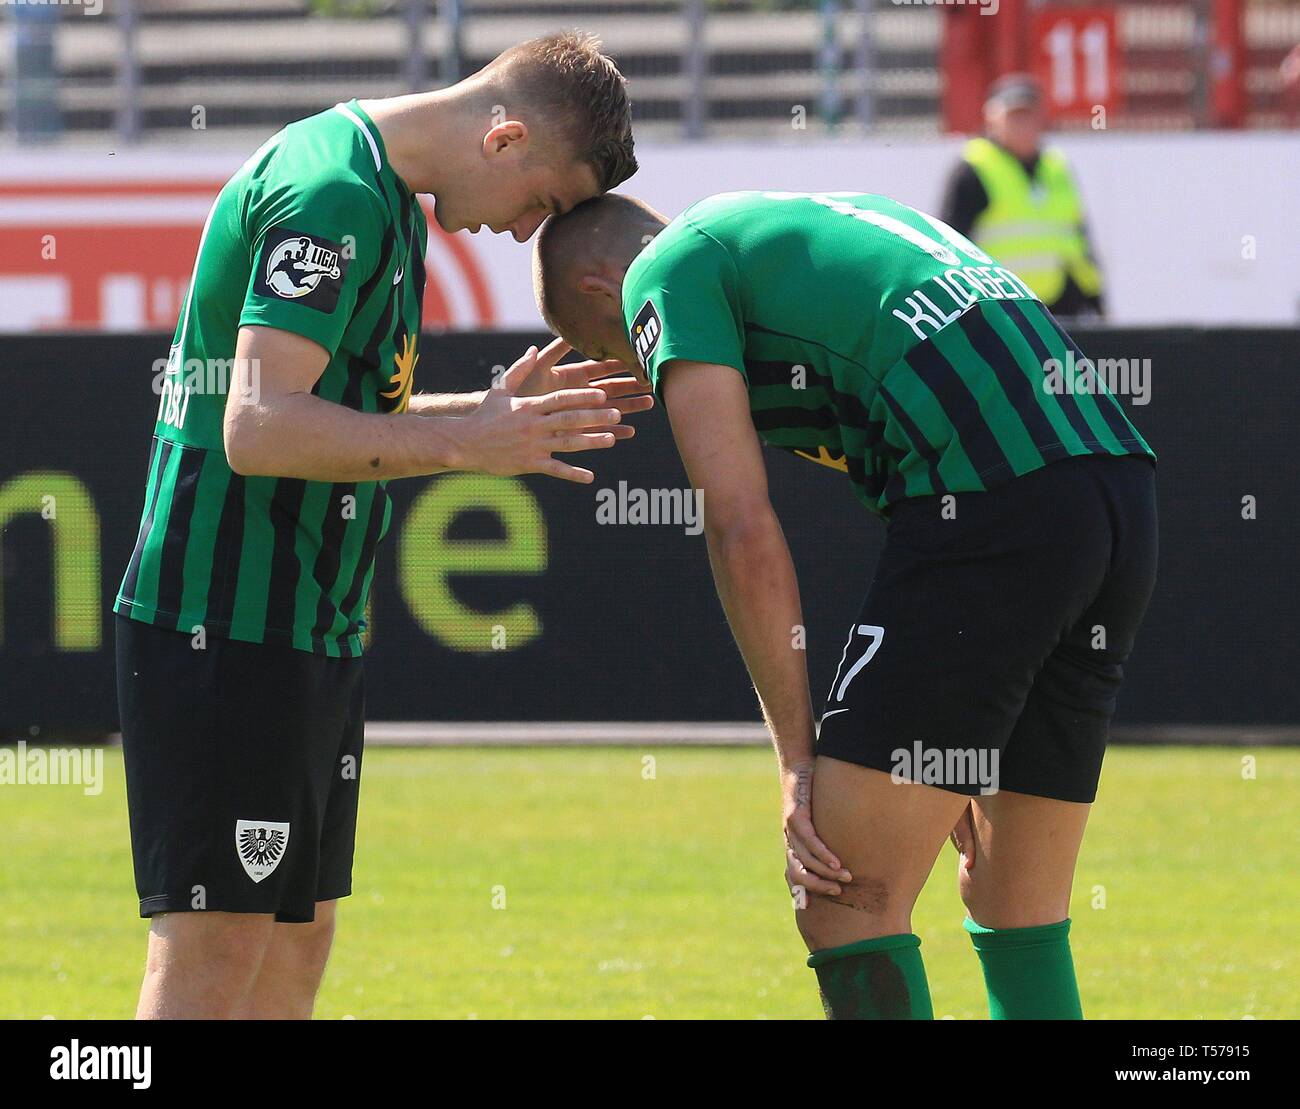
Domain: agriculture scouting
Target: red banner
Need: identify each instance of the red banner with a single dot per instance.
(1077, 58)
(118, 256)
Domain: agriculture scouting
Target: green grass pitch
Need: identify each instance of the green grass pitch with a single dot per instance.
(592, 883)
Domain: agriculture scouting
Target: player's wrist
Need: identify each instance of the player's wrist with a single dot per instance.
(453, 442)
(794, 751)
(446, 404)
(792, 766)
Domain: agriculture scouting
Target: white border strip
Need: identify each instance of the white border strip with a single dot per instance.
(537, 734)
(526, 733)
(101, 209)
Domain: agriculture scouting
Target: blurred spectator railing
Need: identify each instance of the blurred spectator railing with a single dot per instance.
(178, 69)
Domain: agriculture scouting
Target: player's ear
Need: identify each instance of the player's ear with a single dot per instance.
(509, 135)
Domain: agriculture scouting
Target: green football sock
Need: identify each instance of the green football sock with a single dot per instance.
(1028, 972)
(880, 979)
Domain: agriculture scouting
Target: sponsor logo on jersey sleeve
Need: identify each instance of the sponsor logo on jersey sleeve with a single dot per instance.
(304, 268)
(645, 333)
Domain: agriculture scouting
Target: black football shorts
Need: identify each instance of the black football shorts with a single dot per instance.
(243, 763)
(991, 645)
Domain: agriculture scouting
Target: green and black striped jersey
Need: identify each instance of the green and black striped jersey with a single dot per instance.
(873, 338)
(316, 235)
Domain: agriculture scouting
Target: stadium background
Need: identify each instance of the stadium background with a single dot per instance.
(494, 596)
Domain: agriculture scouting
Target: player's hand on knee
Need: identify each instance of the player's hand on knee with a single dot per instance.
(799, 877)
(810, 863)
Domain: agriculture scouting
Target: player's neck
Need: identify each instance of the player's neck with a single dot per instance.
(423, 135)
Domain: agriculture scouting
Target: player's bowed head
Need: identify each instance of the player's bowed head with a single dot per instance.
(540, 128)
(579, 262)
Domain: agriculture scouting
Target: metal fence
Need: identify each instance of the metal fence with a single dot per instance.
(178, 70)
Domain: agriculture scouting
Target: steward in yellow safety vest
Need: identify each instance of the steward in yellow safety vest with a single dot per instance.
(1020, 203)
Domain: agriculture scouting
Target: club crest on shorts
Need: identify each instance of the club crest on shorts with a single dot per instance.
(645, 333)
(261, 845)
(306, 268)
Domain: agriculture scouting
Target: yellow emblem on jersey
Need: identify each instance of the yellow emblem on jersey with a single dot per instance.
(402, 380)
(823, 457)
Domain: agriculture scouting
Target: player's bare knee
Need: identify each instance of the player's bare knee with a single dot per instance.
(863, 909)
(993, 908)
(975, 894)
(1010, 915)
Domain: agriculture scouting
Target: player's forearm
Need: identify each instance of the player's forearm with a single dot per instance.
(760, 594)
(300, 435)
(445, 404)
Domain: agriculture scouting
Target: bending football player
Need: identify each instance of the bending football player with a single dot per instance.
(975, 689)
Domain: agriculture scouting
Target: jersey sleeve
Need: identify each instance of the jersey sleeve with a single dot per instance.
(315, 246)
(682, 300)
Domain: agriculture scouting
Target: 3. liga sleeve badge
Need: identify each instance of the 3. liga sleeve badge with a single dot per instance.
(305, 268)
(261, 845)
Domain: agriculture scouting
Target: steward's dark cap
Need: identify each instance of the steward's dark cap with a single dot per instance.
(1015, 90)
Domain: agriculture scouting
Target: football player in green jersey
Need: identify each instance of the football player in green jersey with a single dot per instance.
(976, 686)
(242, 607)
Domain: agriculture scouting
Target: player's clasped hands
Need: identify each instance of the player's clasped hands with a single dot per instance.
(538, 408)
